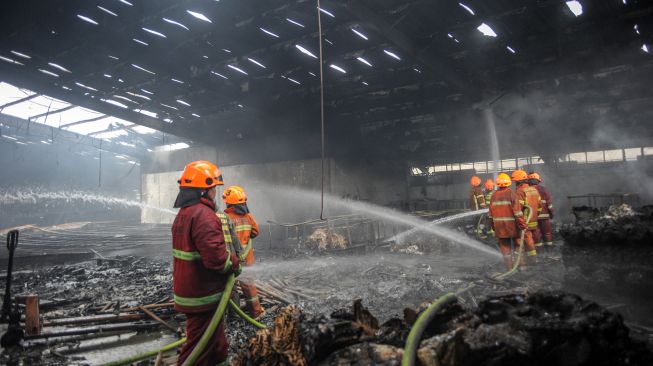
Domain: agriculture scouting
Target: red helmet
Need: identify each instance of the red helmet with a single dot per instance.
(201, 174)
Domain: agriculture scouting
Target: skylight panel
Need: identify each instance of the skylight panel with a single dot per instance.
(146, 112)
(169, 106)
(469, 10)
(70, 116)
(512, 50)
(327, 41)
(152, 31)
(486, 30)
(85, 86)
(237, 69)
(255, 62)
(141, 42)
(338, 68)
(195, 115)
(635, 27)
(268, 32)
(645, 48)
(327, 12)
(311, 73)
(182, 102)
(107, 76)
(294, 81)
(57, 66)
(124, 98)
(126, 2)
(115, 102)
(12, 61)
(20, 54)
(139, 96)
(147, 91)
(364, 83)
(305, 51)
(175, 23)
(107, 11)
(199, 16)
(143, 69)
(226, 50)
(359, 34)
(168, 120)
(295, 23)
(576, 7)
(364, 61)
(172, 147)
(65, 88)
(417, 70)
(87, 19)
(218, 74)
(35, 106)
(113, 57)
(392, 54)
(177, 81)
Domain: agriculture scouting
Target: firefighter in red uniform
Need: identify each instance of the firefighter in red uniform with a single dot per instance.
(528, 204)
(246, 229)
(202, 260)
(503, 219)
(476, 196)
(544, 218)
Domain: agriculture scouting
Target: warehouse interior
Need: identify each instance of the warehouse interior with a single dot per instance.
(355, 127)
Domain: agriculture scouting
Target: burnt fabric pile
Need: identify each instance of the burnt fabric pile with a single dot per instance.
(544, 328)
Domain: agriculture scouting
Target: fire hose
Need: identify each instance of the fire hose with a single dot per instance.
(208, 333)
(424, 319)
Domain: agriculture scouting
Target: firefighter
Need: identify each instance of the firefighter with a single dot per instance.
(476, 197)
(503, 219)
(528, 203)
(489, 190)
(246, 229)
(202, 260)
(545, 217)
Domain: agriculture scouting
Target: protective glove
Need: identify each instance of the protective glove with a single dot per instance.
(491, 232)
(236, 267)
(521, 223)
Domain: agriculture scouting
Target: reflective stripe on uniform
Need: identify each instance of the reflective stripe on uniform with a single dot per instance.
(548, 243)
(531, 253)
(186, 256)
(532, 225)
(243, 227)
(197, 301)
(500, 219)
(519, 214)
(226, 232)
(255, 298)
(501, 203)
(543, 216)
(539, 244)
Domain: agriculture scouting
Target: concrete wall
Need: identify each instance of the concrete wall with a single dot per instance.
(286, 191)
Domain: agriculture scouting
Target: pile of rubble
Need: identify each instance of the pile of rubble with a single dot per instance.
(552, 328)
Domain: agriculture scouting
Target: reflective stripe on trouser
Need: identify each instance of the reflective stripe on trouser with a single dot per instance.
(197, 301)
(252, 302)
(217, 348)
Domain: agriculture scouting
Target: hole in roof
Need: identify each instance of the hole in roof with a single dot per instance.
(364, 61)
(152, 31)
(364, 83)
(107, 11)
(139, 95)
(175, 23)
(143, 69)
(327, 12)
(172, 147)
(327, 41)
(576, 7)
(305, 51)
(107, 76)
(199, 16)
(65, 88)
(120, 80)
(177, 81)
(512, 50)
(115, 102)
(268, 32)
(195, 115)
(86, 19)
(469, 10)
(255, 62)
(110, 134)
(486, 30)
(124, 98)
(183, 102)
(57, 66)
(294, 81)
(72, 115)
(392, 54)
(635, 27)
(143, 129)
(48, 72)
(237, 69)
(310, 73)
(358, 33)
(85, 86)
(147, 91)
(169, 106)
(218, 74)
(417, 70)
(338, 68)
(126, 2)
(146, 112)
(645, 48)
(241, 106)
(12, 61)
(226, 50)
(295, 22)
(141, 42)
(113, 57)
(168, 120)
(205, 56)
(20, 54)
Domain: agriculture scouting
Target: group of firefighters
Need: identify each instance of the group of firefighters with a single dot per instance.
(522, 217)
(205, 245)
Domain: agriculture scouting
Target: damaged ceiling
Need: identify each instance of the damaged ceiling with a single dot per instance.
(403, 80)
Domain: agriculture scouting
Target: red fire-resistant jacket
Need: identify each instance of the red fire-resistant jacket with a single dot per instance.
(547, 203)
(202, 261)
(502, 214)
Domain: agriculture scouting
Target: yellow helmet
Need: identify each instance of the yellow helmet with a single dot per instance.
(503, 180)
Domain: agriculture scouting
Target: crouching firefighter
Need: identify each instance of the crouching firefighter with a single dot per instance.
(202, 260)
(246, 229)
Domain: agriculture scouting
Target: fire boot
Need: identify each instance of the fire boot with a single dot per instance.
(252, 302)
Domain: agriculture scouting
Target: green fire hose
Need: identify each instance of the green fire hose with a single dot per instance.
(415, 334)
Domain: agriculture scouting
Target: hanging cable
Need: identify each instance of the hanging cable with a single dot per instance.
(319, 30)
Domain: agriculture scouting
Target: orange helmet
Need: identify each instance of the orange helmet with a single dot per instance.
(535, 176)
(234, 195)
(489, 184)
(201, 174)
(475, 181)
(503, 180)
(519, 175)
